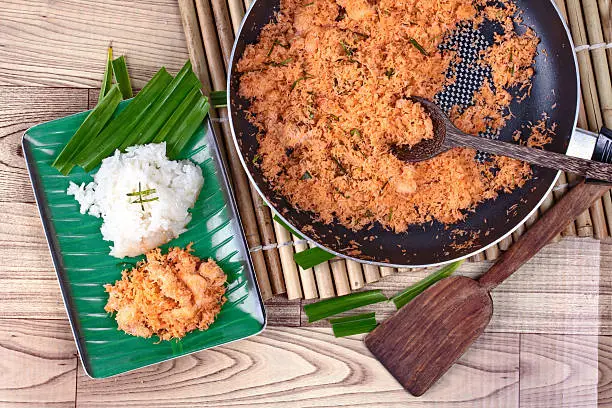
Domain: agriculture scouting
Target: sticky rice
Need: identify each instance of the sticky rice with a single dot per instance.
(142, 196)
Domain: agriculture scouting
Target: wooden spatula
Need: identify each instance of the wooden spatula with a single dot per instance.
(424, 338)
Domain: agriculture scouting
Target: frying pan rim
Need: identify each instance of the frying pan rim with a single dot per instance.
(375, 263)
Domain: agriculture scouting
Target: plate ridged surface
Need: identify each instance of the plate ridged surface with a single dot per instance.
(84, 266)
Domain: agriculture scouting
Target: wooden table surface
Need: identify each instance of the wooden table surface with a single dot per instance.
(549, 343)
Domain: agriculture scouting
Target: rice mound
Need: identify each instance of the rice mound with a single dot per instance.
(136, 227)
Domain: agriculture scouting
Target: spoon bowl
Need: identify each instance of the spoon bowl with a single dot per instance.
(447, 136)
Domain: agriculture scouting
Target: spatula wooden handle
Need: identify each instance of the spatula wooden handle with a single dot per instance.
(552, 223)
(557, 161)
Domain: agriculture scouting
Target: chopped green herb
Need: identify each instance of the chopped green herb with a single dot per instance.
(308, 4)
(390, 214)
(390, 72)
(330, 307)
(355, 132)
(280, 64)
(306, 176)
(385, 185)
(341, 168)
(358, 34)
(368, 214)
(141, 193)
(334, 117)
(145, 200)
(256, 159)
(347, 50)
(413, 291)
(274, 44)
(418, 47)
(305, 77)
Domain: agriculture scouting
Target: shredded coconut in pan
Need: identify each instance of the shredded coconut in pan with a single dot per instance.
(329, 86)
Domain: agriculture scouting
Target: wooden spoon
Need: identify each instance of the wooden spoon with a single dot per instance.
(424, 338)
(447, 136)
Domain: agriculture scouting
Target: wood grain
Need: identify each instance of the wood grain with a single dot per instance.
(20, 109)
(552, 223)
(301, 367)
(558, 371)
(39, 363)
(604, 385)
(548, 159)
(62, 43)
(420, 342)
(557, 292)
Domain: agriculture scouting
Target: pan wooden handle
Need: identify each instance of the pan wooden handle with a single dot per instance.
(552, 223)
(595, 169)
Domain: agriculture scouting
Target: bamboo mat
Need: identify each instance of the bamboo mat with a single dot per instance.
(210, 27)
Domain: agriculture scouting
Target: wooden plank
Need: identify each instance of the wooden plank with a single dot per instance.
(558, 371)
(604, 385)
(62, 43)
(30, 287)
(301, 367)
(605, 287)
(558, 291)
(39, 363)
(283, 312)
(20, 109)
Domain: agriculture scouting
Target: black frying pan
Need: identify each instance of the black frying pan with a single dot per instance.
(554, 84)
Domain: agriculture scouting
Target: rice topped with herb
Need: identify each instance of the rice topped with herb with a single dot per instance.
(143, 197)
(329, 86)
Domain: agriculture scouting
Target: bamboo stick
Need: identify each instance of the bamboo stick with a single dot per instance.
(266, 228)
(194, 40)
(606, 22)
(306, 275)
(341, 281)
(516, 234)
(607, 202)
(588, 85)
(600, 61)
(236, 9)
(492, 253)
(224, 28)
(271, 254)
(604, 90)
(216, 80)
(325, 284)
(505, 243)
(197, 52)
(288, 266)
(478, 257)
(371, 273)
(386, 271)
(209, 24)
(355, 274)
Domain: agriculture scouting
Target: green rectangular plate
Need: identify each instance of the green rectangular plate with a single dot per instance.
(83, 265)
